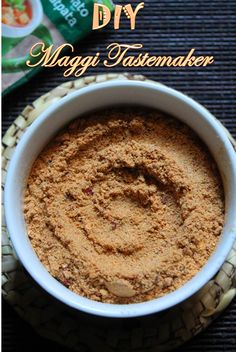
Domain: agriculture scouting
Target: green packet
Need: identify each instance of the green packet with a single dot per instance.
(26, 22)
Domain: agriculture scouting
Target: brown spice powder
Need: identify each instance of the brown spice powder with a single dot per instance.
(124, 206)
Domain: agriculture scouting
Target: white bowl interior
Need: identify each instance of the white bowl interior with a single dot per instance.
(107, 95)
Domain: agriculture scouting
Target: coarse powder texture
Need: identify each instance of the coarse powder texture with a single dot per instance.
(124, 205)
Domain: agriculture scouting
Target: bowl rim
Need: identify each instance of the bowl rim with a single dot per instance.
(76, 301)
(22, 31)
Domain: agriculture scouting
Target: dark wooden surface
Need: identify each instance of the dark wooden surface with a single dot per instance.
(168, 27)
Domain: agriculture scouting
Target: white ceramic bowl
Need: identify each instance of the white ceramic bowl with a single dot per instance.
(106, 95)
(23, 31)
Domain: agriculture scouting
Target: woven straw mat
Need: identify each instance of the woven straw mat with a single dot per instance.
(82, 332)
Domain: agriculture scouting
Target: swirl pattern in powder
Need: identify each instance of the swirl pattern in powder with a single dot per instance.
(124, 205)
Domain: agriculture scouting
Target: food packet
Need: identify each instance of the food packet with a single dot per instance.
(26, 22)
